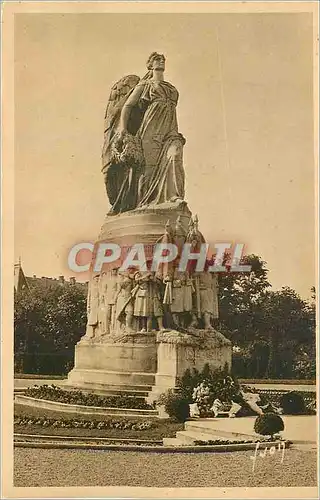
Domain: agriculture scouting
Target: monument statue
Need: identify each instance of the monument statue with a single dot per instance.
(181, 297)
(103, 308)
(146, 327)
(92, 307)
(110, 297)
(180, 235)
(148, 303)
(142, 153)
(205, 299)
(125, 300)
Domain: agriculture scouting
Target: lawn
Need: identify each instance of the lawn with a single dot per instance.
(163, 428)
(43, 467)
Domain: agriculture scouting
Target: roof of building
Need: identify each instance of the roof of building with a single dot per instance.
(22, 282)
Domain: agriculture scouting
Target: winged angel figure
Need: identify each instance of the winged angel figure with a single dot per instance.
(142, 158)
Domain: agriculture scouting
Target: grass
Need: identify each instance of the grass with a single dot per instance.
(163, 428)
(43, 467)
(21, 410)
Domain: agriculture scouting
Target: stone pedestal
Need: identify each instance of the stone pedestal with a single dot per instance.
(131, 363)
(178, 352)
(143, 225)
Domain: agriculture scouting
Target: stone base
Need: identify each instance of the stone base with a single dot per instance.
(151, 365)
(178, 352)
(143, 225)
(127, 365)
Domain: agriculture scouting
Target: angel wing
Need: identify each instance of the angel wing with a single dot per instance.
(118, 96)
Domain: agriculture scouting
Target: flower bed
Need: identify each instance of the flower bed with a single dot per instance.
(211, 393)
(159, 429)
(53, 393)
(84, 424)
(275, 397)
(215, 442)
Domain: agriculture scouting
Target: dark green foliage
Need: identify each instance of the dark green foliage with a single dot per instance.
(220, 381)
(53, 393)
(268, 424)
(189, 380)
(48, 322)
(175, 404)
(293, 403)
(274, 331)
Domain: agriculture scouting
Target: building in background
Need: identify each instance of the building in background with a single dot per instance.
(23, 283)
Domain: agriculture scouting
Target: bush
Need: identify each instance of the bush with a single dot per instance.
(221, 383)
(268, 424)
(189, 380)
(293, 403)
(176, 405)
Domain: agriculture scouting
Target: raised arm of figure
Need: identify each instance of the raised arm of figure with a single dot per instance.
(126, 110)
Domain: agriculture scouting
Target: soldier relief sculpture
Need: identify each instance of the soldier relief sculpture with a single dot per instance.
(142, 165)
(134, 301)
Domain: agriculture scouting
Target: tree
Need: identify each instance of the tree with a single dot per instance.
(273, 331)
(47, 324)
(239, 297)
(288, 323)
(66, 318)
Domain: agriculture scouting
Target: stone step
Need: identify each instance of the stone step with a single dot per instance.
(110, 390)
(124, 387)
(171, 442)
(189, 437)
(215, 432)
(100, 377)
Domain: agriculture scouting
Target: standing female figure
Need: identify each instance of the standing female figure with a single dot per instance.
(145, 132)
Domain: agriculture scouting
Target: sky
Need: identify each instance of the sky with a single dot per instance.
(245, 109)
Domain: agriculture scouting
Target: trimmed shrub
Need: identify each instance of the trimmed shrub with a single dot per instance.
(293, 403)
(268, 424)
(175, 404)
